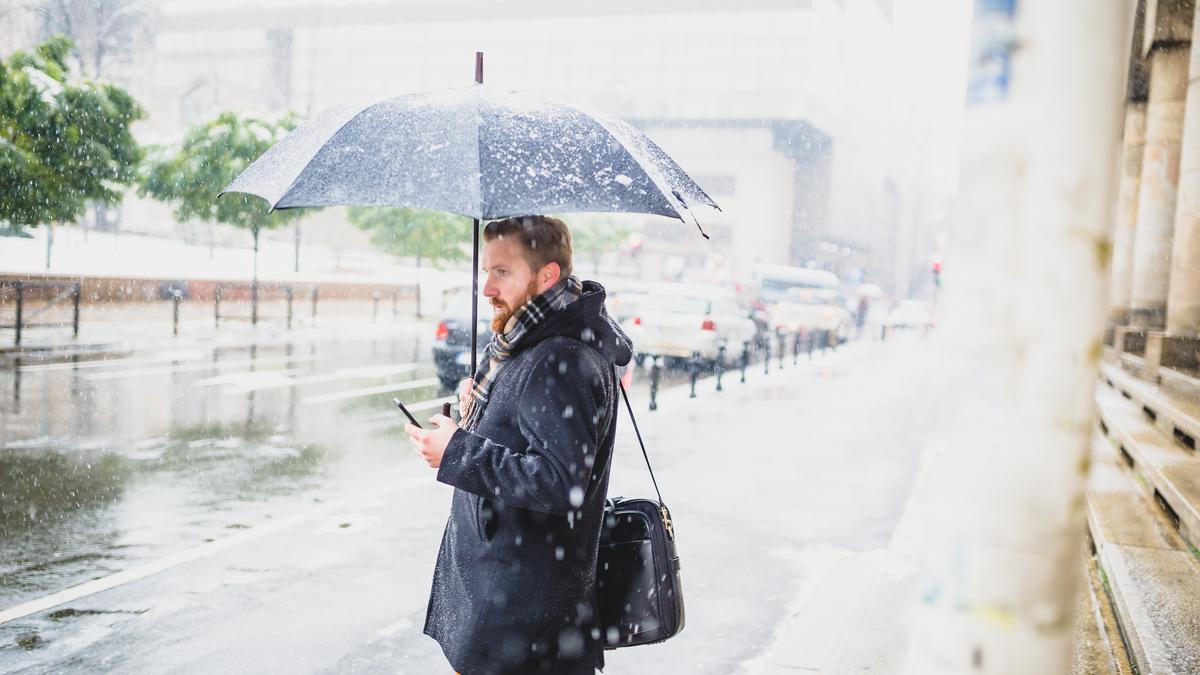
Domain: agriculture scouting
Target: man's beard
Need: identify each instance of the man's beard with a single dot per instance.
(504, 312)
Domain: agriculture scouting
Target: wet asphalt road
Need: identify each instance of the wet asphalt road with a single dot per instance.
(338, 523)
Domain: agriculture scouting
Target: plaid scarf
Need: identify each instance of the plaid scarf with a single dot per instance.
(500, 348)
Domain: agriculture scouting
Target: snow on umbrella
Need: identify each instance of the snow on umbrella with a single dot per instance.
(474, 151)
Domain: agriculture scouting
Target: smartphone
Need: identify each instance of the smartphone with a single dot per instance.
(406, 413)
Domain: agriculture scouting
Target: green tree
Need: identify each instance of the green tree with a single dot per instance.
(425, 235)
(212, 154)
(63, 142)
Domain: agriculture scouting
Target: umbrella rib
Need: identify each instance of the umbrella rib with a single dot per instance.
(324, 145)
(650, 173)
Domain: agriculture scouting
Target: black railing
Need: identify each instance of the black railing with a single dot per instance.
(25, 318)
(233, 292)
(800, 342)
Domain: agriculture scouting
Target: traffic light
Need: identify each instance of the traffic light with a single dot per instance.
(936, 267)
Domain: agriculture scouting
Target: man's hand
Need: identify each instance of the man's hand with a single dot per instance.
(464, 392)
(431, 444)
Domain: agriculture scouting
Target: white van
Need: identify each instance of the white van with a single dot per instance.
(803, 299)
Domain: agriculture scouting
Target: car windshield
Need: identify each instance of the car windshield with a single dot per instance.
(808, 296)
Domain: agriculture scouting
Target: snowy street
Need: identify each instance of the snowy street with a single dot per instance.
(299, 535)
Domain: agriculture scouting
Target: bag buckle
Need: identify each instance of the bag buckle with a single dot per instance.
(666, 515)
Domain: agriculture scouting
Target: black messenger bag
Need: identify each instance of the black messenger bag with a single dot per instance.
(637, 572)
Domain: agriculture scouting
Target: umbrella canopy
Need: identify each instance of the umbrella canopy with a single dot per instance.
(473, 151)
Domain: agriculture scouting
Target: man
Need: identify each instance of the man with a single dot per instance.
(514, 586)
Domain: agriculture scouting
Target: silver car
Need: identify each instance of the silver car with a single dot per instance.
(682, 320)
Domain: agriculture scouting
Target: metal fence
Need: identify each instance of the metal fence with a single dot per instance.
(36, 304)
(793, 344)
(27, 298)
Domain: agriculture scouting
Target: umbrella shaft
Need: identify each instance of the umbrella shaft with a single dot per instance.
(474, 292)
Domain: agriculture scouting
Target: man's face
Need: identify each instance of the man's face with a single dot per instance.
(511, 282)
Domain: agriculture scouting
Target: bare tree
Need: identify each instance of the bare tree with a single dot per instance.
(107, 34)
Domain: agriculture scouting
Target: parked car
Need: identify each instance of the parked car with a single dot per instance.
(679, 320)
(625, 298)
(452, 341)
(910, 314)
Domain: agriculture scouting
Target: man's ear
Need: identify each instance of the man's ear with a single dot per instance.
(549, 276)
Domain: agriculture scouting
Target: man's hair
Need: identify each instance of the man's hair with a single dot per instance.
(544, 239)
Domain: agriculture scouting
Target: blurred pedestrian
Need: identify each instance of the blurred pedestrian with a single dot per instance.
(514, 585)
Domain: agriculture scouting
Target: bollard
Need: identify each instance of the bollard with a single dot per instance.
(78, 292)
(796, 348)
(217, 307)
(766, 345)
(175, 296)
(654, 375)
(314, 303)
(254, 302)
(693, 368)
(375, 306)
(808, 343)
(745, 359)
(290, 294)
(782, 348)
(20, 286)
(395, 293)
(720, 365)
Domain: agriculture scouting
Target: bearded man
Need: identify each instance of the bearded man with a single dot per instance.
(514, 589)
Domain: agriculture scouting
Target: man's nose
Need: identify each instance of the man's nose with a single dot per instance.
(490, 291)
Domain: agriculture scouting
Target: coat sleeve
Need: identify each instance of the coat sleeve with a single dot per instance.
(558, 416)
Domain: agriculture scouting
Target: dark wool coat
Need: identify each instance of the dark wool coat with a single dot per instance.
(514, 587)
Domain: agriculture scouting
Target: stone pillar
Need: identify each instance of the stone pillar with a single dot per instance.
(1133, 143)
(1160, 178)
(1002, 511)
(1127, 209)
(1183, 300)
(1168, 35)
(279, 69)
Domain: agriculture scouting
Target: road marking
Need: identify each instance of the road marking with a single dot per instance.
(247, 377)
(203, 551)
(284, 380)
(210, 365)
(368, 391)
(190, 355)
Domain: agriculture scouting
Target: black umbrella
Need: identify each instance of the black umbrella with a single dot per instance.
(474, 151)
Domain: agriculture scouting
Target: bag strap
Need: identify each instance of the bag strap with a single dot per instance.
(639, 437)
